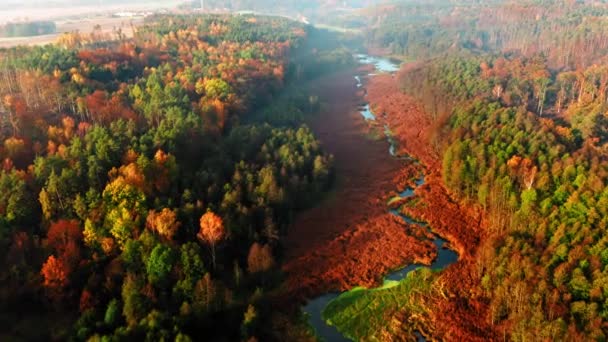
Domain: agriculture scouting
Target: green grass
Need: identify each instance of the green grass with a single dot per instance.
(394, 200)
(364, 314)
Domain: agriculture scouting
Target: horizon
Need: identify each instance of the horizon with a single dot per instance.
(35, 10)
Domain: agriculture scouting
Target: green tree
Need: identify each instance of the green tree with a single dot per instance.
(159, 264)
(135, 305)
(217, 88)
(528, 200)
(112, 314)
(16, 202)
(191, 261)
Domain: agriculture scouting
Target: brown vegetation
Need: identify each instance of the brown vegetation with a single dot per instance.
(351, 239)
(461, 314)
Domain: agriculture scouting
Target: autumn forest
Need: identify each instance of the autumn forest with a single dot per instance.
(141, 197)
(391, 171)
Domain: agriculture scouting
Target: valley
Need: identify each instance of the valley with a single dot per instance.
(253, 170)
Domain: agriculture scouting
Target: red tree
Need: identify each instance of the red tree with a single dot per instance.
(64, 237)
(55, 273)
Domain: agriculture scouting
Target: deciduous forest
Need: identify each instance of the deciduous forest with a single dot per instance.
(27, 29)
(231, 177)
(142, 196)
(516, 94)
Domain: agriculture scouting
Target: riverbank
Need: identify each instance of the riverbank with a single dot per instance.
(415, 133)
(351, 239)
(460, 313)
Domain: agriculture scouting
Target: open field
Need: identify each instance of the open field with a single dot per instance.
(85, 25)
(78, 18)
(50, 12)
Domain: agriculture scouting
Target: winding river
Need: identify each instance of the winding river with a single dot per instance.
(314, 308)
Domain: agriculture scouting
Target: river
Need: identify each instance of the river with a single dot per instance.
(314, 308)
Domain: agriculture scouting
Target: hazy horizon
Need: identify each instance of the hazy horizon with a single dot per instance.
(27, 10)
(51, 3)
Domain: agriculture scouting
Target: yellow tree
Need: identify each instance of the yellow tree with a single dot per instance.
(164, 223)
(211, 231)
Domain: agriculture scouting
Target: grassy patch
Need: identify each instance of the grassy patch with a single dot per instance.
(367, 314)
(394, 200)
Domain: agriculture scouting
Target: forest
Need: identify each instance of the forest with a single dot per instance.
(528, 145)
(518, 94)
(568, 33)
(146, 182)
(33, 28)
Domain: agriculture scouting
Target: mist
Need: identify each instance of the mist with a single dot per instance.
(30, 10)
(33, 10)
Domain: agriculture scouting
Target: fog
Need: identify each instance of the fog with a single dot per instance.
(27, 10)
(7, 4)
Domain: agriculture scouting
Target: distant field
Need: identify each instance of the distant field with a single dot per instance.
(26, 13)
(81, 18)
(84, 25)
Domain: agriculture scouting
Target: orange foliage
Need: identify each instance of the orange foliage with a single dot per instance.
(14, 146)
(260, 258)
(55, 273)
(211, 228)
(68, 127)
(62, 232)
(130, 157)
(107, 245)
(103, 56)
(162, 168)
(211, 231)
(514, 162)
(161, 157)
(106, 109)
(164, 222)
(55, 133)
(220, 111)
(524, 169)
(83, 128)
(64, 237)
(51, 148)
(131, 174)
(15, 104)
